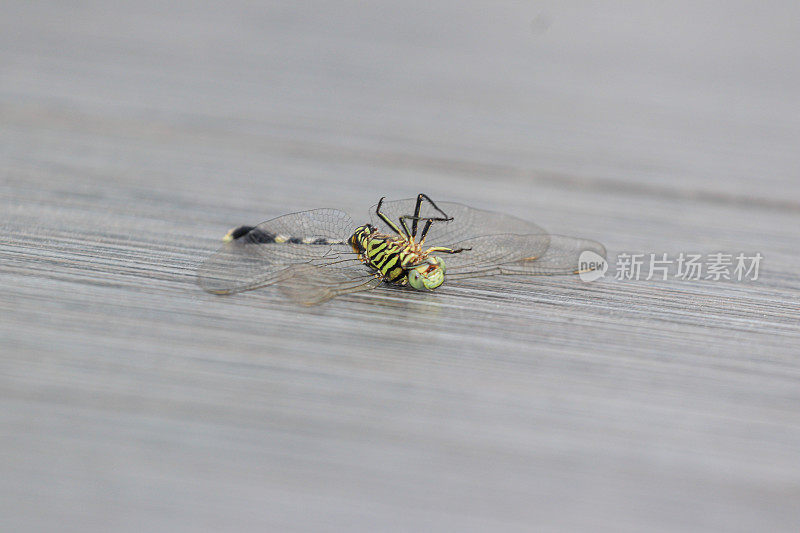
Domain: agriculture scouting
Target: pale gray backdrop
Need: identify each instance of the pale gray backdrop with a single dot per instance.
(133, 135)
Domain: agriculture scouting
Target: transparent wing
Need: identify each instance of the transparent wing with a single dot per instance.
(500, 243)
(520, 254)
(312, 284)
(264, 255)
(467, 221)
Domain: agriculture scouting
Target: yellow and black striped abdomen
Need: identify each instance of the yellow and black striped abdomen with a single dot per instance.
(380, 252)
(256, 235)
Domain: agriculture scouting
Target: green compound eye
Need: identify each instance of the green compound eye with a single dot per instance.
(434, 279)
(428, 276)
(415, 279)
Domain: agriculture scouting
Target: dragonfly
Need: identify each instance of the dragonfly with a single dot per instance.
(316, 255)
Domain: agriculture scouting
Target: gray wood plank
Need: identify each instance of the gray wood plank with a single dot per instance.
(133, 136)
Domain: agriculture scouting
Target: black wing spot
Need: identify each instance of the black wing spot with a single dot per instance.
(295, 240)
(321, 240)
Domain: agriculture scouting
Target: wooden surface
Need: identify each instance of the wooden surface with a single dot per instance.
(133, 136)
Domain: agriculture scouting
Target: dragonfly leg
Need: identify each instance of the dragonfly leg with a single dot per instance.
(419, 203)
(425, 231)
(406, 233)
(408, 263)
(416, 218)
(443, 250)
(416, 215)
(386, 219)
(413, 233)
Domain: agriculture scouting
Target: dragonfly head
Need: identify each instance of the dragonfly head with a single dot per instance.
(428, 275)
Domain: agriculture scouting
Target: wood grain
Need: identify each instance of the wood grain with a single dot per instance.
(134, 135)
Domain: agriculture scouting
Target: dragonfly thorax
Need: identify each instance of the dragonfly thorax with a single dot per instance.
(398, 259)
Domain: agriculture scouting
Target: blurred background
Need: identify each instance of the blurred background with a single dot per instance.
(133, 135)
(690, 97)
